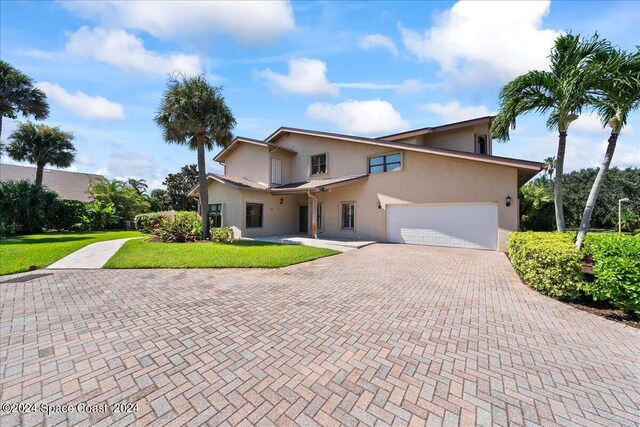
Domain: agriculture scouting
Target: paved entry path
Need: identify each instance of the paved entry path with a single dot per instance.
(386, 335)
(92, 256)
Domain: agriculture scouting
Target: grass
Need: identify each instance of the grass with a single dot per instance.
(144, 254)
(22, 252)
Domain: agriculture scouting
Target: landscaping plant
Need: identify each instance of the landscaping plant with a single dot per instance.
(616, 266)
(26, 207)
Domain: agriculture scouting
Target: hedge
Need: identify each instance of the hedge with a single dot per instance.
(148, 222)
(616, 266)
(548, 262)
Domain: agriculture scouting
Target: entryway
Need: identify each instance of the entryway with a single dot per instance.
(303, 219)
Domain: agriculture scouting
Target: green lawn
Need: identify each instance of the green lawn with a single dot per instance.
(144, 254)
(19, 253)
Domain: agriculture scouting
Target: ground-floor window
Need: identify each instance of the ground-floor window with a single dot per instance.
(348, 216)
(215, 214)
(254, 215)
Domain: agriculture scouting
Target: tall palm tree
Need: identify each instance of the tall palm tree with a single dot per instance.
(18, 95)
(140, 185)
(617, 95)
(549, 166)
(41, 145)
(561, 93)
(194, 113)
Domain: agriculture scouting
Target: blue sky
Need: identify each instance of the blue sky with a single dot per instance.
(365, 68)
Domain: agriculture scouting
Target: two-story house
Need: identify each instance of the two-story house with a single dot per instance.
(435, 186)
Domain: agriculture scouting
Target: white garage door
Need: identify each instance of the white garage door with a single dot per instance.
(472, 226)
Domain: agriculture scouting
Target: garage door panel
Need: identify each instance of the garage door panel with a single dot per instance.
(453, 225)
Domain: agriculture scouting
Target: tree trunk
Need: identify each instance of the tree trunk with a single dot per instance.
(0, 128)
(595, 189)
(39, 173)
(557, 188)
(204, 191)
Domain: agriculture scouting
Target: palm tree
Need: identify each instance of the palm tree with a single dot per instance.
(41, 145)
(617, 95)
(17, 95)
(127, 200)
(561, 93)
(194, 113)
(140, 185)
(549, 166)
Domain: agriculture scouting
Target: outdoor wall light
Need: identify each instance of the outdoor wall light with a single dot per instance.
(281, 200)
(508, 201)
(379, 205)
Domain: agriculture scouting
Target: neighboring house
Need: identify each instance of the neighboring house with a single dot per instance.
(435, 186)
(70, 185)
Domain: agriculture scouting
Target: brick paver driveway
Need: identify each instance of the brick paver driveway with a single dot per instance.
(387, 334)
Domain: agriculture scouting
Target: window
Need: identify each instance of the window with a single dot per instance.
(276, 171)
(388, 163)
(215, 214)
(319, 216)
(348, 216)
(481, 144)
(254, 215)
(318, 164)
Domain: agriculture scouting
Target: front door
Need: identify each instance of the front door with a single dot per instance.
(303, 219)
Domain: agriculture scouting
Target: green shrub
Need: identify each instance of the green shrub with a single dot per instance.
(148, 222)
(222, 234)
(548, 262)
(26, 207)
(100, 216)
(186, 226)
(68, 215)
(616, 266)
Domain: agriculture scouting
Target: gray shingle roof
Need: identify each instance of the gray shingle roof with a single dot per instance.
(70, 185)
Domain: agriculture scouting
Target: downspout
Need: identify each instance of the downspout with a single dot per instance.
(314, 215)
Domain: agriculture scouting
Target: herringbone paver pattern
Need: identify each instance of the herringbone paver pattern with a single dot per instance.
(386, 335)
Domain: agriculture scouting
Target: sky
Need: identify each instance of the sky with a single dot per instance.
(361, 68)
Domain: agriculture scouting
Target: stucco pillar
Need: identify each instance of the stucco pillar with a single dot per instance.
(314, 216)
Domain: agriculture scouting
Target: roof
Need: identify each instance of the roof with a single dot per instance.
(506, 161)
(70, 185)
(433, 129)
(318, 184)
(220, 157)
(296, 187)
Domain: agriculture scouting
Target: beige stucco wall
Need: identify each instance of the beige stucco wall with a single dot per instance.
(343, 158)
(249, 161)
(276, 218)
(425, 178)
(231, 200)
(460, 139)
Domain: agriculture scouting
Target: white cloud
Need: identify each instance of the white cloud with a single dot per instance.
(306, 77)
(126, 51)
(372, 41)
(83, 105)
(409, 86)
(256, 22)
(477, 42)
(359, 117)
(452, 112)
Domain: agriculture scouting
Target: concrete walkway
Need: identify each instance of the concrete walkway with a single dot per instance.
(91, 256)
(335, 244)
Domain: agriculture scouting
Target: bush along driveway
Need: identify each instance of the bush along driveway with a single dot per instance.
(606, 271)
(20, 253)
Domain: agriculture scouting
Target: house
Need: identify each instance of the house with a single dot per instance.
(69, 185)
(434, 186)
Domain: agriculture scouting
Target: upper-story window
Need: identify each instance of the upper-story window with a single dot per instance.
(481, 144)
(276, 171)
(318, 164)
(388, 163)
